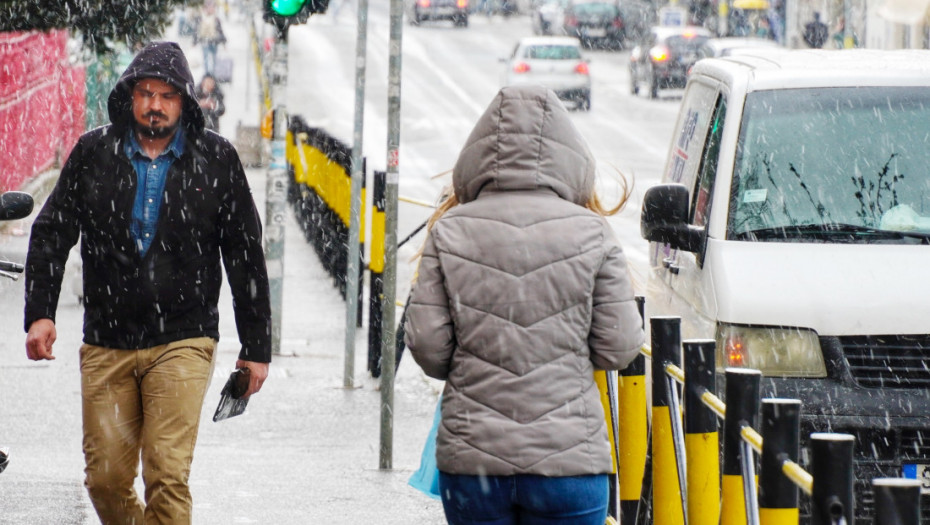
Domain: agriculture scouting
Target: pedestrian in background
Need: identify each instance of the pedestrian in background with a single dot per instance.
(156, 203)
(522, 291)
(816, 32)
(210, 97)
(209, 36)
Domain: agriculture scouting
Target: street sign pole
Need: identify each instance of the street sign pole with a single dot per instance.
(388, 345)
(276, 189)
(355, 205)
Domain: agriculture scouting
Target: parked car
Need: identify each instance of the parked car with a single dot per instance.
(792, 226)
(726, 46)
(663, 58)
(547, 16)
(552, 61)
(454, 10)
(596, 23)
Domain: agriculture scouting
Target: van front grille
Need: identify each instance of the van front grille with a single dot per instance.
(889, 361)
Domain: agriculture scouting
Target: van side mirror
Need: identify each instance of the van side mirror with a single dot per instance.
(665, 218)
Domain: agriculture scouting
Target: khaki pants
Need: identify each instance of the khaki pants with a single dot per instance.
(146, 401)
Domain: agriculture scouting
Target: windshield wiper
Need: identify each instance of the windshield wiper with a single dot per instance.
(829, 231)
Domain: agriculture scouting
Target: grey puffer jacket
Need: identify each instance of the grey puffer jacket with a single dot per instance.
(521, 293)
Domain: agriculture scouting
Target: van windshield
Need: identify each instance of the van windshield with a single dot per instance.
(845, 165)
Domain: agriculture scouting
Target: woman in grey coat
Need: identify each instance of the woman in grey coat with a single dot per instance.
(522, 292)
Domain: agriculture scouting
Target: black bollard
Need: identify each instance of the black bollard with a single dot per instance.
(781, 427)
(702, 442)
(667, 491)
(832, 469)
(897, 501)
(742, 398)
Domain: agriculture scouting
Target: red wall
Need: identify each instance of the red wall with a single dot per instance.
(42, 105)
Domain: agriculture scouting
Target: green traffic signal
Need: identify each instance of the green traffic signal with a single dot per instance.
(287, 7)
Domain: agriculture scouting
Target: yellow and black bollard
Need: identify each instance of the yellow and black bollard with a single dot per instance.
(666, 484)
(742, 398)
(897, 501)
(832, 469)
(702, 443)
(778, 495)
(633, 438)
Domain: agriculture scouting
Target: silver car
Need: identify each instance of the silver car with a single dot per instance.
(554, 62)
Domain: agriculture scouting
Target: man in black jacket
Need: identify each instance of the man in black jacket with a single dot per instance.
(157, 202)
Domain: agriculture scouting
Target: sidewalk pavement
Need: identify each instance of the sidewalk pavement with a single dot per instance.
(307, 449)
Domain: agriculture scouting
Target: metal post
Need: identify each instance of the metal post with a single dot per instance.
(276, 190)
(666, 495)
(832, 467)
(702, 443)
(778, 495)
(748, 466)
(376, 274)
(897, 501)
(742, 398)
(353, 264)
(388, 344)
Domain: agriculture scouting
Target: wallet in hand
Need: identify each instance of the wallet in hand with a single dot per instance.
(231, 401)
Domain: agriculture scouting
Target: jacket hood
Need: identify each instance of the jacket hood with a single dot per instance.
(166, 62)
(525, 140)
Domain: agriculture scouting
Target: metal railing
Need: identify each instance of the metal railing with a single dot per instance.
(691, 485)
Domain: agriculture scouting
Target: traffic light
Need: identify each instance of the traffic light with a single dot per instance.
(283, 13)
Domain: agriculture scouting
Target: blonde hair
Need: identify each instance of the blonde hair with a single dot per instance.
(594, 202)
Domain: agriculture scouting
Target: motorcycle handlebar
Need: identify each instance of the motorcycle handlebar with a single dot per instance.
(6, 266)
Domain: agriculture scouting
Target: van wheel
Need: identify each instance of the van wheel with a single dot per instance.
(460, 21)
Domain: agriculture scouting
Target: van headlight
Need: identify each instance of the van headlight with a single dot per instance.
(774, 351)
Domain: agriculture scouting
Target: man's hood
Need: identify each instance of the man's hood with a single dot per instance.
(166, 62)
(525, 140)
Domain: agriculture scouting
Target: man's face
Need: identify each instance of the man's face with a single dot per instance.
(156, 107)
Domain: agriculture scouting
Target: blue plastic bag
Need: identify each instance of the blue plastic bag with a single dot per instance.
(426, 478)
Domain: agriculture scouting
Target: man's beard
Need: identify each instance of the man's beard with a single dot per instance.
(157, 132)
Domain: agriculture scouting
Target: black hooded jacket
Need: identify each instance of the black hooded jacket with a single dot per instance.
(207, 214)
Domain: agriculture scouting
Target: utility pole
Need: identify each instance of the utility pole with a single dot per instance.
(276, 189)
(388, 345)
(355, 204)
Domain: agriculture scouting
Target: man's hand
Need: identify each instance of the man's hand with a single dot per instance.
(259, 372)
(41, 337)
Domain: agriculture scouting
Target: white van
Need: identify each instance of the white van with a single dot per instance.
(793, 226)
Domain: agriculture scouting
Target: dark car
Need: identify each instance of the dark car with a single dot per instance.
(454, 10)
(663, 58)
(596, 23)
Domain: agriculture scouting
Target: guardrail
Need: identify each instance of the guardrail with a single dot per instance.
(319, 169)
(688, 485)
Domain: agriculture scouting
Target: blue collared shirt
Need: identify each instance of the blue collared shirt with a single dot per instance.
(151, 175)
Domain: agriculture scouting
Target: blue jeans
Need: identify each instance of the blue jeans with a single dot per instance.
(209, 57)
(524, 499)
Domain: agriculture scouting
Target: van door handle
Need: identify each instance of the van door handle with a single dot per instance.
(667, 263)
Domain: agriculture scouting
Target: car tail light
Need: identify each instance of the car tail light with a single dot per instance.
(521, 67)
(582, 68)
(618, 23)
(571, 20)
(423, 3)
(659, 54)
(462, 4)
